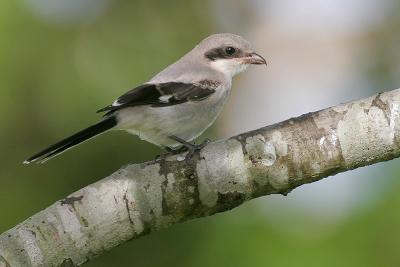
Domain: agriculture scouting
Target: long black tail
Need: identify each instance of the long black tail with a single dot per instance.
(73, 140)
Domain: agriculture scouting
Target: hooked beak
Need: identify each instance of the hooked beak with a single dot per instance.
(254, 58)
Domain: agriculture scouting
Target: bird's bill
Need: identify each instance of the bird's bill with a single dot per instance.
(255, 59)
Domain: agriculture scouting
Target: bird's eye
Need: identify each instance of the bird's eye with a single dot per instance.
(230, 50)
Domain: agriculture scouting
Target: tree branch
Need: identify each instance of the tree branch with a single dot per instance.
(141, 198)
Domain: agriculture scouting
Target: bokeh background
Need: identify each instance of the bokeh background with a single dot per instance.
(60, 60)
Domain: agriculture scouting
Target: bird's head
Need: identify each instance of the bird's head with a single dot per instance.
(228, 53)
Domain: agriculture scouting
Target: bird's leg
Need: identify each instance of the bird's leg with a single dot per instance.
(190, 147)
(175, 151)
(171, 151)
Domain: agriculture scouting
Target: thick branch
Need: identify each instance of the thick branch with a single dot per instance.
(141, 198)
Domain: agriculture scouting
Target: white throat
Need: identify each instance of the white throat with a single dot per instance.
(229, 67)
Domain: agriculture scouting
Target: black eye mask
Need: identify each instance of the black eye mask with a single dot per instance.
(225, 52)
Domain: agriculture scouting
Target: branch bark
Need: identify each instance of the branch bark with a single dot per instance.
(141, 198)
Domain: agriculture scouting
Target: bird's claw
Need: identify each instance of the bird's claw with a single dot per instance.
(187, 146)
(170, 151)
(193, 148)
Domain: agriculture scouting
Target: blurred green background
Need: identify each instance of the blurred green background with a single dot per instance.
(61, 60)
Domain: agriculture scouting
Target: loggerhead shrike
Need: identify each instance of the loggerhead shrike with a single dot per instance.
(178, 104)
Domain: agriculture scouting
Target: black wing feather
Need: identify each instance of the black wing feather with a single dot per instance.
(149, 94)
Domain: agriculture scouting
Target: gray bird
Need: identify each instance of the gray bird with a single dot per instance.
(178, 104)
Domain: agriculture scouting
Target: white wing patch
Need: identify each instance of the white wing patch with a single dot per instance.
(165, 98)
(116, 103)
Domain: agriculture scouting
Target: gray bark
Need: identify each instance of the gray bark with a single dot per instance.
(141, 198)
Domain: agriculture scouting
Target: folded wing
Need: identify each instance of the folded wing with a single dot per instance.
(162, 95)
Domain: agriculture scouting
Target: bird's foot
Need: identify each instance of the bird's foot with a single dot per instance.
(171, 151)
(176, 151)
(191, 148)
(160, 157)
